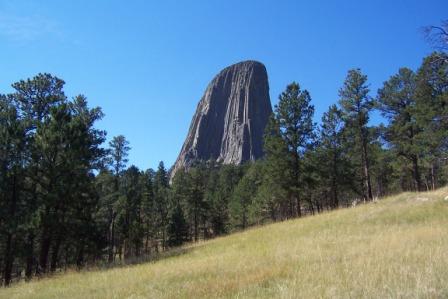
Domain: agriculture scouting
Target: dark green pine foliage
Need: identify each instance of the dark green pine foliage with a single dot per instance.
(149, 215)
(332, 163)
(177, 227)
(105, 188)
(220, 187)
(13, 201)
(397, 102)
(38, 101)
(161, 192)
(118, 153)
(55, 196)
(294, 115)
(432, 116)
(180, 193)
(130, 212)
(277, 173)
(83, 155)
(385, 177)
(196, 204)
(244, 211)
(356, 105)
(34, 98)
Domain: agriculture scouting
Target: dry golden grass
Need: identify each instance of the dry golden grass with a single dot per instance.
(395, 248)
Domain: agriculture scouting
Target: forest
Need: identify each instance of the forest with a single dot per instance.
(69, 200)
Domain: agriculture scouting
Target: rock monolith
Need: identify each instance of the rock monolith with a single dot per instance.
(230, 119)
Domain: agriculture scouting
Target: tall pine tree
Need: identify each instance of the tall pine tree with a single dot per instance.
(356, 106)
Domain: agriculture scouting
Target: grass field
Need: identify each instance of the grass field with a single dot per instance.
(395, 248)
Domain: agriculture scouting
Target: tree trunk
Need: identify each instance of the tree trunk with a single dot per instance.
(298, 206)
(297, 184)
(334, 180)
(366, 168)
(44, 250)
(291, 207)
(55, 253)
(196, 224)
(9, 248)
(433, 177)
(204, 229)
(334, 193)
(80, 255)
(9, 259)
(120, 250)
(147, 243)
(29, 250)
(66, 257)
(45, 237)
(111, 239)
(416, 173)
(244, 218)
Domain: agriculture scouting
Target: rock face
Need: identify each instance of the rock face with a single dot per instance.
(230, 119)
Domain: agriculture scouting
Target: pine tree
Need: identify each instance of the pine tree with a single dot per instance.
(149, 211)
(129, 214)
(220, 186)
(332, 163)
(196, 204)
(244, 196)
(177, 227)
(13, 208)
(432, 114)
(277, 173)
(294, 114)
(34, 98)
(119, 151)
(397, 102)
(161, 191)
(356, 106)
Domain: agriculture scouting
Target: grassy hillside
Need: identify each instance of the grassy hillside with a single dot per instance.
(396, 248)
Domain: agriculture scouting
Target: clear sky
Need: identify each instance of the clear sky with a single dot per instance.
(147, 63)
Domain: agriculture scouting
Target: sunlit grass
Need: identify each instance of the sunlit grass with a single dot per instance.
(395, 248)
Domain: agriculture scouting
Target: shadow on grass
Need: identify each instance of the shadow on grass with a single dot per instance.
(105, 266)
(154, 257)
(143, 259)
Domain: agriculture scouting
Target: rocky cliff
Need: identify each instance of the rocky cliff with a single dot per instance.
(230, 119)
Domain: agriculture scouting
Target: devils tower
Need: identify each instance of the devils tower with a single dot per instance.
(230, 119)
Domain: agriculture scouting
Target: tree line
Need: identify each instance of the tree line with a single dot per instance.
(69, 201)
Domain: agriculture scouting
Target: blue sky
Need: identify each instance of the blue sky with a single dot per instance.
(147, 63)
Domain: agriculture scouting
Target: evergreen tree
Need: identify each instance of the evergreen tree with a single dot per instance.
(34, 98)
(332, 162)
(397, 102)
(161, 191)
(356, 106)
(244, 196)
(432, 114)
(218, 194)
(196, 204)
(119, 151)
(177, 227)
(105, 188)
(149, 209)
(13, 200)
(130, 212)
(294, 114)
(277, 173)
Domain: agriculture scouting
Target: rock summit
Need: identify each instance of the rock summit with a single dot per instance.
(230, 119)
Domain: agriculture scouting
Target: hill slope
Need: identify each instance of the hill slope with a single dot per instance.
(397, 247)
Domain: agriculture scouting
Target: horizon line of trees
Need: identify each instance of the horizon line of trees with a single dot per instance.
(67, 201)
